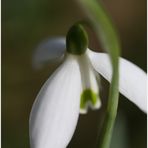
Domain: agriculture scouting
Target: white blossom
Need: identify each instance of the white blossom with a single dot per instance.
(56, 109)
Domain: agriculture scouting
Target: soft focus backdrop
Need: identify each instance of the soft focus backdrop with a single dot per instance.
(25, 23)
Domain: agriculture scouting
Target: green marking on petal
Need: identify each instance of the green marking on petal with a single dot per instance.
(88, 96)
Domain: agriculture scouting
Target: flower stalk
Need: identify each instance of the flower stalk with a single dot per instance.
(106, 33)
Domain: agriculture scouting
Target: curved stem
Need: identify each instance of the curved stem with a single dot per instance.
(110, 116)
(106, 33)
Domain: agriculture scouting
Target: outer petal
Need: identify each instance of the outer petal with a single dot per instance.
(132, 81)
(55, 111)
(49, 49)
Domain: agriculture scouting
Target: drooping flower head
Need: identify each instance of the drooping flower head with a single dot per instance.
(73, 88)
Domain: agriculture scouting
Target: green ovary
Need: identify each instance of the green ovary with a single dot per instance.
(88, 96)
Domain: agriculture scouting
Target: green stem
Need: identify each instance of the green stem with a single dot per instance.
(106, 33)
(110, 116)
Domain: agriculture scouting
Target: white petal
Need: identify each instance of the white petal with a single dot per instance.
(87, 74)
(55, 112)
(49, 49)
(132, 81)
(89, 83)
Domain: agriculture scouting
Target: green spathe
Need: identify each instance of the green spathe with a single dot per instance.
(88, 96)
(76, 40)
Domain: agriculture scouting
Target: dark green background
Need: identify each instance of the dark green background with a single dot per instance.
(25, 23)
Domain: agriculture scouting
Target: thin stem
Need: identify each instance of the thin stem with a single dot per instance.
(106, 33)
(110, 116)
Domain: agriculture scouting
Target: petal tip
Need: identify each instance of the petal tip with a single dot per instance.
(83, 111)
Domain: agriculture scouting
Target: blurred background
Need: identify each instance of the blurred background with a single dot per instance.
(25, 23)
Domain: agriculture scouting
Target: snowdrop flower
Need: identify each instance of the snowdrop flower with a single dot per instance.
(73, 88)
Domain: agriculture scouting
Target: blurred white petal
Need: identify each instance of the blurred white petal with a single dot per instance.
(132, 81)
(55, 112)
(49, 50)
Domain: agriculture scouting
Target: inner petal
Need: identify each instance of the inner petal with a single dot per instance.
(90, 94)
